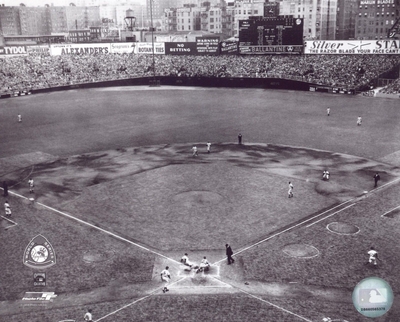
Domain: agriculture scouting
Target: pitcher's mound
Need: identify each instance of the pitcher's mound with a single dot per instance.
(300, 250)
(96, 256)
(343, 228)
(197, 198)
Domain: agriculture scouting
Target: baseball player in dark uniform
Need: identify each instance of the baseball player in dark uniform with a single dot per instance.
(229, 254)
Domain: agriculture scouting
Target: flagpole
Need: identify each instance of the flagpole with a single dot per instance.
(152, 40)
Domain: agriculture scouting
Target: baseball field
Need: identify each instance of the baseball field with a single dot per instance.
(119, 196)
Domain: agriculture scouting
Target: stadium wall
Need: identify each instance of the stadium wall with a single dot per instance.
(273, 83)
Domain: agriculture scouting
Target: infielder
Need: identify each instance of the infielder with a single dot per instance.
(7, 209)
(165, 277)
(359, 120)
(19, 118)
(290, 191)
(373, 256)
(88, 316)
(208, 147)
(31, 185)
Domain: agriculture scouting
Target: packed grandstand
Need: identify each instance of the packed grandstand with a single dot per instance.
(37, 71)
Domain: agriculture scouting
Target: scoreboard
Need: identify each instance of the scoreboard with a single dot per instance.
(262, 31)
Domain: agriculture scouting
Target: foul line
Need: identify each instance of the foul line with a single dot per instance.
(9, 220)
(265, 301)
(286, 230)
(136, 301)
(336, 212)
(276, 306)
(307, 220)
(106, 231)
(95, 227)
(14, 223)
(251, 246)
(389, 211)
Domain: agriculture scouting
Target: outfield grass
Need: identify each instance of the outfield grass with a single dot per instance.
(163, 199)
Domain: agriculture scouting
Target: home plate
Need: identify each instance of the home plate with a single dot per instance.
(201, 284)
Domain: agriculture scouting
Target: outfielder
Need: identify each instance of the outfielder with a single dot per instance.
(165, 277)
(208, 147)
(194, 151)
(290, 191)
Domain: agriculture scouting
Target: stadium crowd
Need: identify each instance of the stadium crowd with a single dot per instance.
(42, 71)
(393, 88)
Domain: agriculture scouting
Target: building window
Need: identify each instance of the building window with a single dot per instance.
(211, 26)
(256, 12)
(211, 19)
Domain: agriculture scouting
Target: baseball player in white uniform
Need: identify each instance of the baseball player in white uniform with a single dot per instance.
(373, 256)
(290, 191)
(203, 265)
(185, 260)
(7, 209)
(165, 277)
(31, 185)
(88, 316)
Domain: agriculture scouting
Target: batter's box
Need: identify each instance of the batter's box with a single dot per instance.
(213, 271)
(392, 213)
